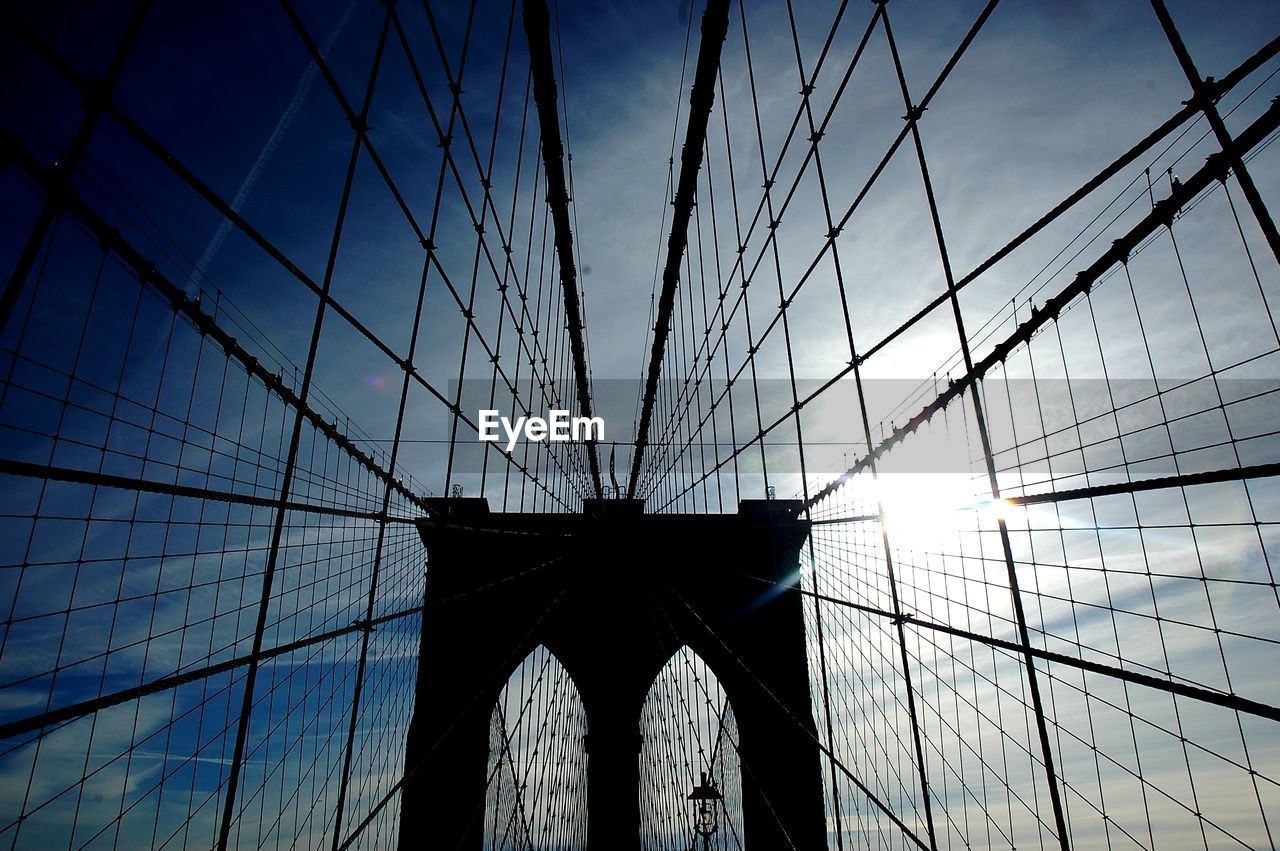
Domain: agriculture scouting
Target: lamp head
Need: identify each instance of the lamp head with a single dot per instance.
(705, 795)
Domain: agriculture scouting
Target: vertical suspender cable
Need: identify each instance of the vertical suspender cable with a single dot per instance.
(537, 26)
(715, 25)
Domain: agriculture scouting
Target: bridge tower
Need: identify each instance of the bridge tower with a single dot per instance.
(613, 593)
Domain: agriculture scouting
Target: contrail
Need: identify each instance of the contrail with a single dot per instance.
(273, 142)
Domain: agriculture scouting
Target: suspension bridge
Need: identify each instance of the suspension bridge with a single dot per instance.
(937, 501)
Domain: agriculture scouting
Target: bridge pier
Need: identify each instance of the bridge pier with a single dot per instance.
(613, 593)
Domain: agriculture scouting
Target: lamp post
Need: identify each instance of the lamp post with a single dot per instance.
(705, 795)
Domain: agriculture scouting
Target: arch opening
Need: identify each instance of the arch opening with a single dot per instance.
(688, 728)
(536, 795)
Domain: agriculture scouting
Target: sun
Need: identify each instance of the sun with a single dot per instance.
(928, 510)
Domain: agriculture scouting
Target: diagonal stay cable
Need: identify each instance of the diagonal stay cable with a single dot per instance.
(673, 633)
(487, 218)
(72, 711)
(908, 833)
(191, 309)
(1047, 757)
(10, 467)
(1268, 51)
(49, 181)
(1204, 99)
(97, 96)
(293, 453)
(430, 749)
(539, 354)
(536, 353)
(376, 572)
(1214, 169)
(1221, 87)
(1172, 686)
(833, 233)
(361, 126)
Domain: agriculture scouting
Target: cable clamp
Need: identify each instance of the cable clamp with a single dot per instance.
(1217, 165)
(1164, 211)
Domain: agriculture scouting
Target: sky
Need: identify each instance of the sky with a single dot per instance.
(1034, 109)
(1050, 92)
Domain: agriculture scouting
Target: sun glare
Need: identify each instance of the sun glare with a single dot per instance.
(927, 509)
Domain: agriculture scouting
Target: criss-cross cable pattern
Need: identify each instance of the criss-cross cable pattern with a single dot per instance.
(689, 732)
(1040, 580)
(536, 797)
(213, 594)
(995, 308)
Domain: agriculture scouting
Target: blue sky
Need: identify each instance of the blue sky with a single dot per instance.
(1049, 93)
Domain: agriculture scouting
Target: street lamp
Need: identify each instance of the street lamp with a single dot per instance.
(705, 795)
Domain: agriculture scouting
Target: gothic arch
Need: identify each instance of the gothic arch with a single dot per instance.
(688, 730)
(722, 585)
(536, 794)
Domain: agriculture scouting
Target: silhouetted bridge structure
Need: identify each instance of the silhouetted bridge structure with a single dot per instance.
(264, 587)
